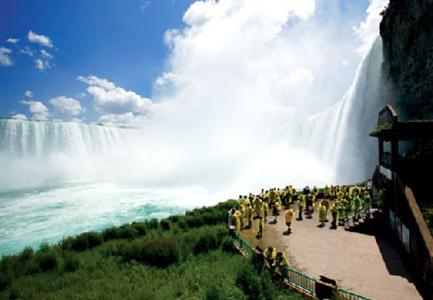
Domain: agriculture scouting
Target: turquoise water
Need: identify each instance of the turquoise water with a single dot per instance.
(49, 213)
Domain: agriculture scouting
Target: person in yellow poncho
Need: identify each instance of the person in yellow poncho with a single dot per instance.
(270, 254)
(289, 218)
(281, 264)
(322, 213)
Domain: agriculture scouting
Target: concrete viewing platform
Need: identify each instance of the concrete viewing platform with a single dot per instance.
(365, 264)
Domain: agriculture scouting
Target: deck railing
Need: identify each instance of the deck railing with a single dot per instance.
(294, 278)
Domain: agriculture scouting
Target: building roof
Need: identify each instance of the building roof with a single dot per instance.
(388, 127)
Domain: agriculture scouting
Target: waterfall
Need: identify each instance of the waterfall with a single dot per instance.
(340, 135)
(19, 138)
(34, 153)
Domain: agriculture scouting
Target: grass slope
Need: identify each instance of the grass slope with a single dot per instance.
(181, 257)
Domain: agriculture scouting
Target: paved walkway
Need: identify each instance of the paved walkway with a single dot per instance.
(364, 264)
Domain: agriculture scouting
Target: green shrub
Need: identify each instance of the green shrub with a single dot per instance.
(72, 263)
(214, 293)
(80, 243)
(94, 238)
(66, 243)
(132, 251)
(44, 247)
(27, 253)
(194, 221)
(48, 261)
(249, 282)
(174, 219)
(182, 224)
(228, 246)
(5, 279)
(206, 242)
(140, 227)
(87, 240)
(165, 225)
(152, 224)
(227, 205)
(110, 234)
(127, 232)
(14, 294)
(110, 249)
(268, 288)
(160, 252)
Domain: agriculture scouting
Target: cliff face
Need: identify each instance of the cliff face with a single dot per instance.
(407, 34)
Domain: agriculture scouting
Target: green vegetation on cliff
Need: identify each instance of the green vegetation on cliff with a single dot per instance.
(181, 257)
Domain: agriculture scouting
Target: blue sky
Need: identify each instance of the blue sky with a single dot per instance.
(121, 41)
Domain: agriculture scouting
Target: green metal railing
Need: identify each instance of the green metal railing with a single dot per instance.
(301, 280)
(246, 247)
(347, 295)
(295, 278)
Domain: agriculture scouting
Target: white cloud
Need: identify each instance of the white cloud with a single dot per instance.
(46, 54)
(38, 109)
(27, 51)
(93, 80)
(66, 106)
(144, 4)
(44, 61)
(239, 76)
(76, 120)
(40, 39)
(19, 117)
(5, 59)
(234, 54)
(166, 78)
(368, 30)
(12, 41)
(126, 118)
(111, 99)
(28, 94)
(42, 64)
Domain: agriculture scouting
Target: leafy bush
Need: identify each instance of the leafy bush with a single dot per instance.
(248, 280)
(26, 254)
(228, 246)
(5, 280)
(110, 249)
(214, 293)
(48, 261)
(72, 263)
(44, 247)
(174, 219)
(182, 224)
(66, 243)
(194, 221)
(82, 242)
(206, 242)
(127, 232)
(140, 227)
(160, 252)
(165, 225)
(132, 251)
(110, 234)
(94, 238)
(152, 224)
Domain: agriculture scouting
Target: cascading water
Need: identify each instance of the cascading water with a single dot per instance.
(60, 178)
(21, 138)
(340, 135)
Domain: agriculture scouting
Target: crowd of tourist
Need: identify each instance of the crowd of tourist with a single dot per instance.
(337, 204)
